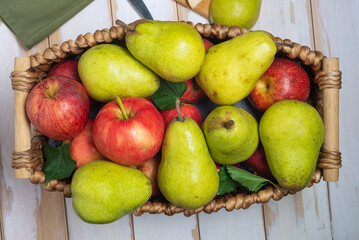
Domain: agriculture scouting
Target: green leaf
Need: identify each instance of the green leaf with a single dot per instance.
(58, 164)
(165, 97)
(226, 183)
(251, 182)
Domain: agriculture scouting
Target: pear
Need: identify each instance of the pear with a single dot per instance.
(292, 133)
(173, 50)
(232, 68)
(241, 13)
(231, 134)
(104, 191)
(187, 175)
(108, 70)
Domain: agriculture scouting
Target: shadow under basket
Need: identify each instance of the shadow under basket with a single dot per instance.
(28, 156)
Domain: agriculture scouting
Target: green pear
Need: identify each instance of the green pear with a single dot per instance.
(232, 68)
(173, 50)
(231, 134)
(292, 133)
(104, 191)
(108, 70)
(241, 13)
(187, 175)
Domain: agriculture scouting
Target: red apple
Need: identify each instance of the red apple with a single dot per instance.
(193, 93)
(67, 68)
(187, 110)
(150, 168)
(284, 80)
(207, 43)
(83, 148)
(58, 107)
(258, 162)
(130, 136)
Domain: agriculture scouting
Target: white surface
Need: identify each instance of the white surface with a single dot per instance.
(307, 215)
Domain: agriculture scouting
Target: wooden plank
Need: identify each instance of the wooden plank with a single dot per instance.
(79, 229)
(51, 216)
(239, 224)
(95, 16)
(176, 227)
(23, 203)
(336, 35)
(306, 214)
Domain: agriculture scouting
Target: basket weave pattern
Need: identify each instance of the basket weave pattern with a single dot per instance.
(33, 158)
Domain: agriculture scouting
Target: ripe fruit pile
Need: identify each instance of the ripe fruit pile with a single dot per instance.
(149, 123)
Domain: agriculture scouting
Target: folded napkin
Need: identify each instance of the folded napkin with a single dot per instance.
(33, 20)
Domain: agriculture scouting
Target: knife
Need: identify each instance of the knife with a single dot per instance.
(141, 8)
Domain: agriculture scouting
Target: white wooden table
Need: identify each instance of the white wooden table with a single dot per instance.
(325, 211)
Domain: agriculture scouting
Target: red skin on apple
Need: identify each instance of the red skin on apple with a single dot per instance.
(194, 93)
(284, 80)
(150, 168)
(83, 148)
(258, 162)
(187, 110)
(67, 68)
(130, 141)
(207, 43)
(58, 107)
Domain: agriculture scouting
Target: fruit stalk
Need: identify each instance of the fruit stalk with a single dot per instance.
(123, 110)
(178, 109)
(278, 44)
(124, 25)
(229, 124)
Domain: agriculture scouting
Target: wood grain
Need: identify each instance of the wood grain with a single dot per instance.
(336, 34)
(304, 215)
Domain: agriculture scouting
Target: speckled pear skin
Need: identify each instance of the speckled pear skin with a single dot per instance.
(173, 50)
(292, 133)
(232, 68)
(233, 145)
(187, 175)
(104, 191)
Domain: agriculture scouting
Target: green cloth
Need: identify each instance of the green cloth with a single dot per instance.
(34, 20)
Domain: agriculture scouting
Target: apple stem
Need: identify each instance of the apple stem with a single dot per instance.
(124, 25)
(229, 124)
(178, 109)
(48, 92)
(123, 110)
(284, 44)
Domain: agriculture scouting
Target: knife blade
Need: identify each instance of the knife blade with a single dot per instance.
(141, 8)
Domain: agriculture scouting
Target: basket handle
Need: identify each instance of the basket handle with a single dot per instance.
(330, 151)
(21, 121)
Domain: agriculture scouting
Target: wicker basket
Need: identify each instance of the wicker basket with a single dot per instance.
(28, 155)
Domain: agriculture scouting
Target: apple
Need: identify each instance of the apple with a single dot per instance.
(187, 110)
(284, 80)
(128, 132)
(67, 68)
(258, 162)
(83, 148)
(150, 168)
(58, 107)
(207, 43)
(194, 93)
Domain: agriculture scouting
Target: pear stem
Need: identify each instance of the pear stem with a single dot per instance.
(123, 110)
(124, 25)
(178, 109)
(229, 124)
(284, 44)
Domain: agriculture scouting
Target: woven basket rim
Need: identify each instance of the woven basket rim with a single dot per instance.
(41, 63)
